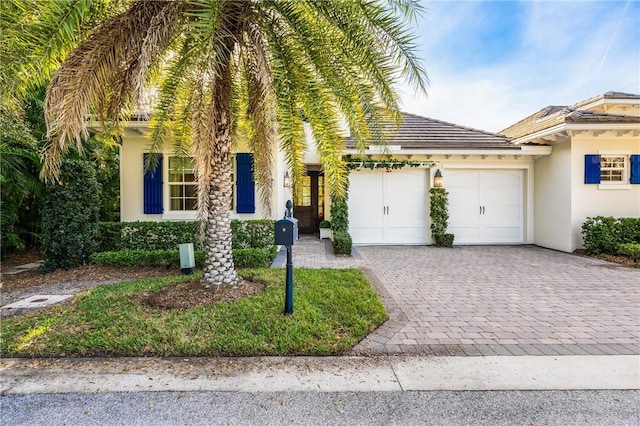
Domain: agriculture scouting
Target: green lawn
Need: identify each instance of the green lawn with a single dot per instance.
(334, 309)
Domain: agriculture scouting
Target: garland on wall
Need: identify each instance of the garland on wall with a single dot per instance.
(387, 163)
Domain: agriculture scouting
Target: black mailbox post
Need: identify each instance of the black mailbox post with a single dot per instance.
(286, 232)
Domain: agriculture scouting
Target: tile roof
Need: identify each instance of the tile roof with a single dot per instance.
(608, 95)
(417, 132)
(554, 115)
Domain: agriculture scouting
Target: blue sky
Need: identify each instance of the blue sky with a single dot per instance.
(492, 63)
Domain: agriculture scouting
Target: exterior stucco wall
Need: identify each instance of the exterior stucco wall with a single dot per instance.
(552, 189)
(600, 200)
(134, 145)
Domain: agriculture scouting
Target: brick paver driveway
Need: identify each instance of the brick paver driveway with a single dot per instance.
(501, 300)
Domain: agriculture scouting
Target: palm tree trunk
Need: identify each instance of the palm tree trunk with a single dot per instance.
(219, 268)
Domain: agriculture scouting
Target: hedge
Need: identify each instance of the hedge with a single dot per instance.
(168, 235)
(243, 258)
(604, 234)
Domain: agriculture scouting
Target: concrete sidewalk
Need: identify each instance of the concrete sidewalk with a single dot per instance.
(316, 374)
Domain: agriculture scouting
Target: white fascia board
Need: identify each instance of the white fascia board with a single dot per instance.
(536, 150)
(599, 102)
(519, 151)
(603, 126)
(541, 134)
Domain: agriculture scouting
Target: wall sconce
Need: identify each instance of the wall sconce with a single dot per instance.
(287, 180)
(437, 179)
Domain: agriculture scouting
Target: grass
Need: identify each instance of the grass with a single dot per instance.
(333, 310)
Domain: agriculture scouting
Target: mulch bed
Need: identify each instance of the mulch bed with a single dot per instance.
(89, 273)
(197, 293)
(183, 296)
(621, 260)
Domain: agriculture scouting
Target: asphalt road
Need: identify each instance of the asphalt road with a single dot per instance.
(325, 408)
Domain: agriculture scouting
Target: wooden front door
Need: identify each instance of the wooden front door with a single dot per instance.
(309, 202)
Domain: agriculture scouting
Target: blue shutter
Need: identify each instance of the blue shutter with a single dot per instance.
(245, 184)
(635, 169)
(153, 187)
(591, 169)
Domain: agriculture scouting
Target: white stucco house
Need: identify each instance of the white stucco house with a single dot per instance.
(533, 183)
(593, 168)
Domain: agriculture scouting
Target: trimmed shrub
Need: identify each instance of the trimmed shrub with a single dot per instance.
(627, 229)
(341, 242)
(243, 258)
(324, 224)
(137, 258)
(603, 234)
(167, 235)
(252, 233)
(630, 250)
(70, 217)
(254, 257)
(110, 236)
(439, 213)
(156, 243)
(158, 235)
(444, 240)
(339, 215)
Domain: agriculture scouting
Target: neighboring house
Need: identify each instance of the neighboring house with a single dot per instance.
(523, 186)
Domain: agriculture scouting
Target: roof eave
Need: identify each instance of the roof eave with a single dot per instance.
(516, 150)
(561, 132)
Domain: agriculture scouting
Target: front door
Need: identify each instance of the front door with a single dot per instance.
(309, 202)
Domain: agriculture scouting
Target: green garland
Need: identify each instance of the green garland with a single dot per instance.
(387, 164)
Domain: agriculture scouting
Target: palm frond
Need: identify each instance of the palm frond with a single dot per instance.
(87, 78)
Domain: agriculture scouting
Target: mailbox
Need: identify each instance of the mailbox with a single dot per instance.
(286, 231)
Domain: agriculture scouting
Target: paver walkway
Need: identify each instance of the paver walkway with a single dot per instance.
(492, 300)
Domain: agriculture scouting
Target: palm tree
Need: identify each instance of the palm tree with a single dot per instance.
(227, 69)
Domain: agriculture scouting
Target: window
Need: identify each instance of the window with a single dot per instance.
(612, 168)
(303, 196)
(182, 184)
(321, 196)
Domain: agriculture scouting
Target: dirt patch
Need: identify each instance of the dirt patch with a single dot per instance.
(196, 293)
(18, 258)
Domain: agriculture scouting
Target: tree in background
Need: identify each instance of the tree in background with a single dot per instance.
(21, 189)
(27, 67)
(226, 70)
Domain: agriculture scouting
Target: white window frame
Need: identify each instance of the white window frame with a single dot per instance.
(611, 184)
(192, 214)
(171, 184)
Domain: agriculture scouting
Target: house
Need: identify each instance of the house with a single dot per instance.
(533, 183)
(593, 169)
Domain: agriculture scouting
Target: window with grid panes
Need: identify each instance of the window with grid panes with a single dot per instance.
(182, 184)
(613, 168)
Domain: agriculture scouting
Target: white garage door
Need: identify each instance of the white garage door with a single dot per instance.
(388, 208)
(485, 206)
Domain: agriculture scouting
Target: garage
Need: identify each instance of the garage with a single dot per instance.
(388, 207)
(485, 206)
